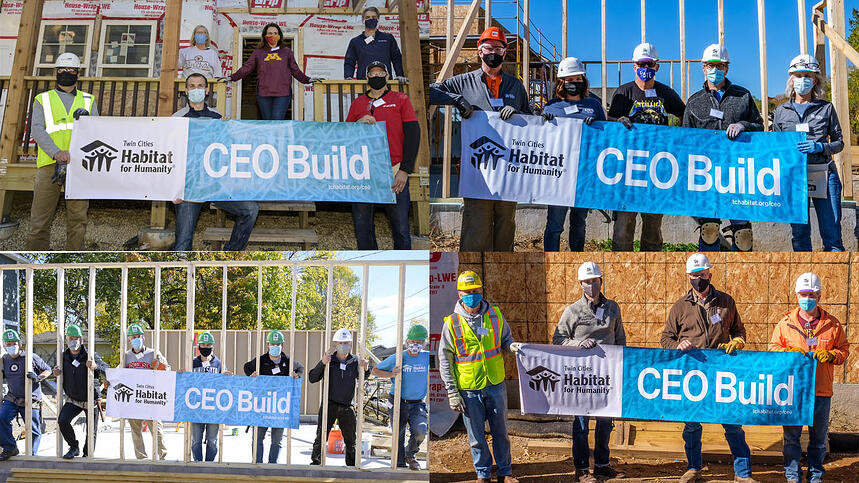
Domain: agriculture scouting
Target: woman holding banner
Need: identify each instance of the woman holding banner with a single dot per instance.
(572, 99)
(807, 111)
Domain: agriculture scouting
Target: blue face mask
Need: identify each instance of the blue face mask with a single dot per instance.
(12, 350)
(807, 304)
(137, 343)
(715, 76)
(196, 96)
(472, 300)
(274, 351)
(803, 85)
(645, 73)
(371, 23)
(200, 38)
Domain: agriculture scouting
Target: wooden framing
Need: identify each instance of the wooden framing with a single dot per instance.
(762, 50)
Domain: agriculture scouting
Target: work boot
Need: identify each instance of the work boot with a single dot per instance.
(607, 473)
(483, 480)
(692, 476)
(72, 452)
(582, 476)
(748, 479)
(507, 479)
(8, 453)
(413, 463)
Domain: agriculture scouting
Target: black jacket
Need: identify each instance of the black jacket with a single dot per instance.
(75, 378)
(266, 365)
(342, 376)
(737, 105)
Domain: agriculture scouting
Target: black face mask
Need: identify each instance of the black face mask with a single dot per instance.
(493, 60)
(377, 82)
(575, 88)
(205, 351)
(66, 79)
(371, 23)
(700, 284)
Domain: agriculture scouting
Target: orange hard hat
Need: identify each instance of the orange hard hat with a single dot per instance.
(493, 33)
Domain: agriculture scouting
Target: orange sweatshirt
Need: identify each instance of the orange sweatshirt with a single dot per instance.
(830, 336)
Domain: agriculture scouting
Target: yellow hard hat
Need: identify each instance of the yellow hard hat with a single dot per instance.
(468, 280)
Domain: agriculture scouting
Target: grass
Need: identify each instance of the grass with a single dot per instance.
(605, 246)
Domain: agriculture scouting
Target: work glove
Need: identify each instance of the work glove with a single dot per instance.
(734, 130)
(59, 176)
(589, 120)
(736, 343)
(587, 344)
(547, 116)
(456, 403)
(823, 355)
(402, 79)
(795, 349)
(80, 112)
(627, 123)
(33, 376)
(506, 112)
(808, 147)
(514, 347)
(464, 107)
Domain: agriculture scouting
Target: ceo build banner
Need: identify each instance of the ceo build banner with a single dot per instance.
(650, 169)
(204, 398)
(708, 386)
(212, 160)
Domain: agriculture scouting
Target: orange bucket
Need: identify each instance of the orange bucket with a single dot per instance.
(335, 442)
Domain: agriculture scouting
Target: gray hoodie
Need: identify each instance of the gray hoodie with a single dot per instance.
(579, 322)
(823, 127)
(447, 352)
(472, 87)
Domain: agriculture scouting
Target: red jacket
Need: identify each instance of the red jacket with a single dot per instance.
(275, 69)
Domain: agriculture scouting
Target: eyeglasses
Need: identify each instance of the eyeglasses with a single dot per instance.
(650, 64)
(492, 50)
(377, 74)
(716, 65)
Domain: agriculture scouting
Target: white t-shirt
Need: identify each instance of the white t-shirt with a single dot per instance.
(195, 61)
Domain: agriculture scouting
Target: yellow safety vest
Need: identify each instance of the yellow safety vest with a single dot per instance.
(58, 121)
(478, 360)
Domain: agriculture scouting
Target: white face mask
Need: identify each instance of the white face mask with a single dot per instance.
(12, 350)
(74, 344)
(415, 348)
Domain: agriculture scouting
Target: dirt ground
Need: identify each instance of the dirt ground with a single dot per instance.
(450, 461)
(112, 224)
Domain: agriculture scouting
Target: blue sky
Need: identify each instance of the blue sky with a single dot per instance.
(623, 26)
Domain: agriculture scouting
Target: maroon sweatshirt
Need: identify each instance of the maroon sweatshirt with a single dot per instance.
(275, 69)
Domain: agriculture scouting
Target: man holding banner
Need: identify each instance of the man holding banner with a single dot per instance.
(721, 105)
(593, 320)
(808, 329)
(14, 403)
(644, 101)
(472, 368)
(209, 363)
(145, 358)
(706, 318)
(487, 225)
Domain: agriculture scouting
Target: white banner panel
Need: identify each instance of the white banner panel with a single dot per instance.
(141, 394)
(522, 159)
(128, 158)
(567, 380)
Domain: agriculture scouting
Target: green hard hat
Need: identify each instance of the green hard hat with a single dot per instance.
(11, 335)
(274, 337)
(135, 329)
(205, 337)
(417, 332)
(74, 330)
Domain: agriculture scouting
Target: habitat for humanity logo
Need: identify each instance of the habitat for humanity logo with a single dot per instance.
(98, 155)
(543, 378)
(526, 157)
(484, 151)
(122, 393)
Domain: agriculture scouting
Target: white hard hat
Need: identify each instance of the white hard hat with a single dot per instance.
(807, 282)
(715, 53)
(68, 59)
(589, 270)
(645, 51)
(343, 335)
(571, 66)
(697, 262)
(804, 63)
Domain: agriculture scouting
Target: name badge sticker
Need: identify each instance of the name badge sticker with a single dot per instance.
(717, 113)
(715, 319)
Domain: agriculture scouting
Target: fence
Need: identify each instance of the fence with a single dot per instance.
(253, 343)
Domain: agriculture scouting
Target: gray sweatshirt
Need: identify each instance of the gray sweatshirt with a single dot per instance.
(447, 351)
(37, 129)
(579, 322)
(472, 87)
(823, 127)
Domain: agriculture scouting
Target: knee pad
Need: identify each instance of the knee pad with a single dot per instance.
(709, 232)
(743, 238)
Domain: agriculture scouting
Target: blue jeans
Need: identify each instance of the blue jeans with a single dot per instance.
(817, 435)
(273, 108)
(211, 430)
(555, 218)
(8, 411)
(581, 449)
(274, 449)
(736, 441)
(715, 246)
(489, 403)
(398, 216)
(828, 220)
(414, 417)
(188, 212)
